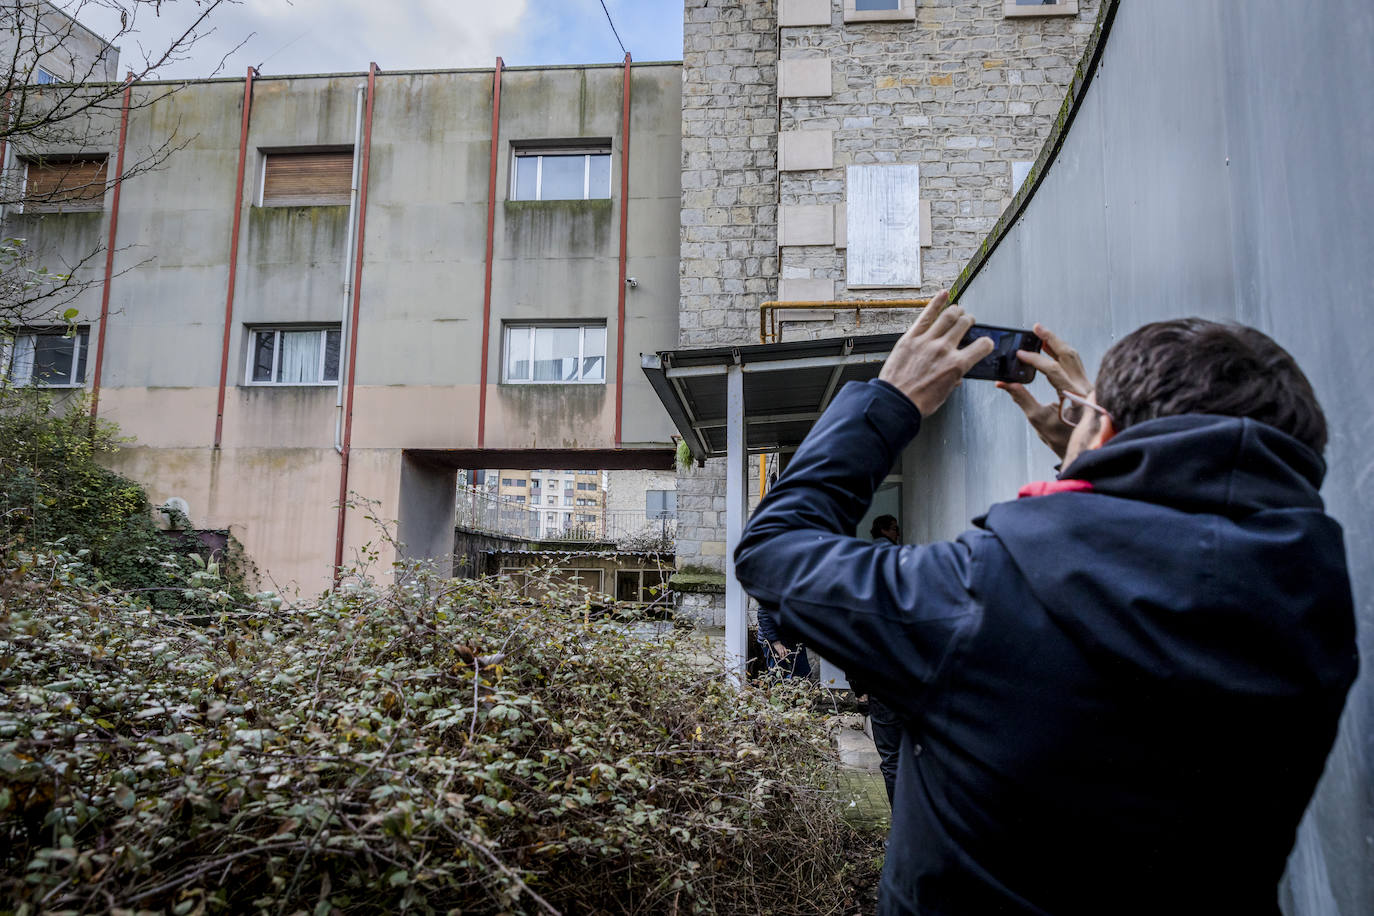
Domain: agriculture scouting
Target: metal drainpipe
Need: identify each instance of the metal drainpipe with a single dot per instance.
(110, 248)
(234, 253)
(353, 326)
(348, 267)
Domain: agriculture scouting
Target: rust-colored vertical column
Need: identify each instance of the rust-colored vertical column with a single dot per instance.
(234, 253)
(353, 323)
(110, 248)
(491, 247)
(624, 226)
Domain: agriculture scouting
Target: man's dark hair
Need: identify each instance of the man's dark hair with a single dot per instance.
(881, 524)
(1191, 365)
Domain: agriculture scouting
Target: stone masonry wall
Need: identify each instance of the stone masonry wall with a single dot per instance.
(729, 214)
(962, 91)
(955, 87)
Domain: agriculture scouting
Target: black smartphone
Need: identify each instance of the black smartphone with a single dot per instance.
(1001, 364)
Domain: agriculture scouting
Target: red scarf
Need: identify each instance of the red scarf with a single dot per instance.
(1048, 487)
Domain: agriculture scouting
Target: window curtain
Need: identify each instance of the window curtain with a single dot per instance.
(300, 357)
(555, 354)
(21, 362)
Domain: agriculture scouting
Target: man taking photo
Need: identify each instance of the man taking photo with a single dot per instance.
(1117, 692)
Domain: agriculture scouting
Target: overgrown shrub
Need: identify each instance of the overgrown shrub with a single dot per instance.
(53, 488)
(434, 746)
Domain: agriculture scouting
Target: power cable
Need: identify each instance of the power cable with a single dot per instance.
(613, 31)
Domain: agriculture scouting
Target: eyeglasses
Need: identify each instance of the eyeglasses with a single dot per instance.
(1073, 408)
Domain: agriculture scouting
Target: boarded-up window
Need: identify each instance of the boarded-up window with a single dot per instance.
(64, 184)
(311, 179)
(883, 222)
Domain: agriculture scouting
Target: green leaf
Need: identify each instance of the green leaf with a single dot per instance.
(124, 797)
(71, 314)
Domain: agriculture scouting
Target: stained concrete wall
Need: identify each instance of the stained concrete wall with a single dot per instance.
(274, 481)
(1221, 165)
(37, 33)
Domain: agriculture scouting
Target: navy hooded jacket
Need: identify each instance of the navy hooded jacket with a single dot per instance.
(1116, 701)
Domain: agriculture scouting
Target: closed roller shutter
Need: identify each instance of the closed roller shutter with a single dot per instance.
(307, 179)
(64, 185)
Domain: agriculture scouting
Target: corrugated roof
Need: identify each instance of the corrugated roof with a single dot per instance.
(786, 387)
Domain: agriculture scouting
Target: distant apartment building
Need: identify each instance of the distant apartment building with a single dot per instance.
(848, 151)
(345, 288)
(562, 502)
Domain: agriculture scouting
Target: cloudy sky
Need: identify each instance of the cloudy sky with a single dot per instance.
(322, 36)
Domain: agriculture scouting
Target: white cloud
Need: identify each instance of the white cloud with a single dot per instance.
(314, 36)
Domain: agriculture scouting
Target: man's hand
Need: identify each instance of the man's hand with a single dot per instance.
(1064, 369)
(926, 365)
(780, 650)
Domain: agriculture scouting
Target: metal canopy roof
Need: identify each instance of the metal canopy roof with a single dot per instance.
(786, 387)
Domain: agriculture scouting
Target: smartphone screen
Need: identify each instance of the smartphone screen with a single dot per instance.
(1001, 364)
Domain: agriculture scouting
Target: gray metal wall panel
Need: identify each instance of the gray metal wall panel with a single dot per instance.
(1222, 164)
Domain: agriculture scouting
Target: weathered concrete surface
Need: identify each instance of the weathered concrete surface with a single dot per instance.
(1221, 165)
(419, 347)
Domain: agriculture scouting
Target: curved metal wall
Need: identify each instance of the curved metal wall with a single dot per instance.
(1221, 164)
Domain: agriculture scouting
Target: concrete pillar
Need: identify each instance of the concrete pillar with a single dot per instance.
(427, 513)
(736, 514)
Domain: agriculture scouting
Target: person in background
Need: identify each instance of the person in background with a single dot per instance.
(883, 720)
(784, 659)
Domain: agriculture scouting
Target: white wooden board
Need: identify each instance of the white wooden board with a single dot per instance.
(883, 223)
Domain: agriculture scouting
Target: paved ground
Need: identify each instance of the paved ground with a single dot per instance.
(861, 783)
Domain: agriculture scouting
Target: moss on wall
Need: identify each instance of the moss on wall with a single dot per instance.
(558, 228)
(278, 234)
(570, 413)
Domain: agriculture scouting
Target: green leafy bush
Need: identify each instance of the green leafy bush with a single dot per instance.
(54, 489)
(434, 746)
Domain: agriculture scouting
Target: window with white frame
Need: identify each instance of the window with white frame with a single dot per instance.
(576, 173)
(306, 178)
(1039, 7)
(64, 184)
(293, 356)
(51, 357)
(555, 353)
(42, 77)
(879, 10)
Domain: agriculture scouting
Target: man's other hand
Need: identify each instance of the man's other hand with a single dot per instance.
(780, 650)
(1062, 365)
(926, 365)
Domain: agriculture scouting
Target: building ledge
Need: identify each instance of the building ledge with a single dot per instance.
(709, 583)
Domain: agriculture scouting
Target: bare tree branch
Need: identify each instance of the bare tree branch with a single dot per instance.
(60, 111)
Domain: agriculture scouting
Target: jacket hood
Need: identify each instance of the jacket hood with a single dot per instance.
(1200, 463)
(1201, 553)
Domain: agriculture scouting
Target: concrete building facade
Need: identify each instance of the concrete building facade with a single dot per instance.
(272, 338)
(42, 44)
(832, 152)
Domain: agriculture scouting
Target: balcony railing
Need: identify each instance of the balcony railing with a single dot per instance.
(627, 529)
